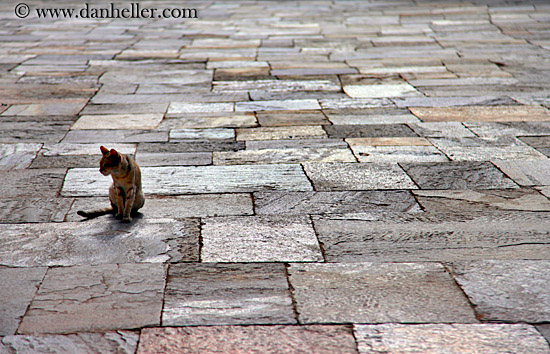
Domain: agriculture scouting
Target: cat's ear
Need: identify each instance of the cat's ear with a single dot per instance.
(104, 150)
(113, 152)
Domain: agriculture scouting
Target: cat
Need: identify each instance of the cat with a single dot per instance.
(125, 193)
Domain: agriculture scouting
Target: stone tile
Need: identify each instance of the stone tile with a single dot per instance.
(191, 146)
(68, 107)
(447, 102)
(85, 182)
(17, 156)
(67, 149)
(68, 161)
(281, 133)
(33, 210)
(491, 130)
(174, 159)
(259, 239)
(526, 173)
(368, 131)
(239, 339)
(482, 114)
(296, 144)
(145, 240)
(513, 291)
(115, 136)
(184, 107)
(95, 298)
(282, 105)
(118, 121)
(104, 109)
(283, 156)
(208, 120)
(457, 175)
(338, 176)
(486, 149)
(377, 293)
(469, 233)
(544, 329)
(32, 183)
(202, 134)
(86, 343)
(210, 294)
(301, 203)
(380, 91)
(313, 71)
(442, 130)
(19, 285)
(395, 150)
(236, 64)
(354, 103)
(276, 85)
(371, 116)
(27, 132)
(449, 338)
(291, 118)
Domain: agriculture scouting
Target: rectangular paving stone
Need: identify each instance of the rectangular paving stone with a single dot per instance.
(221, 294)
(457, 175)
(291, 118)
(296, 144)
(95, 298)
(68, 107)
(282, 156)
(32, 209)
(115, 136)
(68, 161)
(346, 102)
(201, 134)
(91, 109)
(451, 338)
(512, 290)
(449, 103)
(119, 121)
(377, 293)
(174, 159)
(281, 133)
(282, 105)
(313, 71)
(380, 91)
(68, 149)
(208, 120)
(370, 116)
(442, 129)
(87, 182)
(302, 203)
(259, 239)
(17, 156)
(200, 107)
(395, 150)
(240, 339)
(31, 183)
(491, 130)
(148, 241)
(191, 146)
(482, 114)
(369, 131)
(337, 176)
(19, 285)
(110, 342)
(437, 235)
(526, 172)
(276, 85)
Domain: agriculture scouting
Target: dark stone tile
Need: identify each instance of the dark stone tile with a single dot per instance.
(369, 131)
(274, 119)
(115, 136)
(32, 183)
(26, 210)
(192, 146)
(69, 161)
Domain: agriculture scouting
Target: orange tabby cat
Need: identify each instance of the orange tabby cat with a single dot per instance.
(125, 193)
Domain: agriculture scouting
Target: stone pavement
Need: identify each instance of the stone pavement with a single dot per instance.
(321, 177)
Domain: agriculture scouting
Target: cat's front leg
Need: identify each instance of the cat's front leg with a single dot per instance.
(129, 202)
(118, 199)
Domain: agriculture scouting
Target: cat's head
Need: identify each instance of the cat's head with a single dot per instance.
(109, 161)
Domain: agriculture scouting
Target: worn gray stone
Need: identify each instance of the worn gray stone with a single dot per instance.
(281, 133)
(202, 134)
(449, 338)
(191, 146)
(369, 131)
(115, 136)
(17, 156)
(174, 159)
(32, 209)
(288, 155)
(377, 293)
(395, 150)
(94, 298)
(215, 294)
(31, 183)
(282, 105)
(285, 118)
(442, 129)
(259, 239)
(526, 172)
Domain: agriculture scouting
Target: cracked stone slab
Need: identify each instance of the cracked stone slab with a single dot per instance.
(144, 121)
(442, 235)
(147, 241)
(259, 239)
(32, 183)
(377, 292)
(525, 172)
(395, 150)
(380, 91)
(449, 338)
(17, 156)
(512, 290)
(300, 203)
(33, 210)
(19, 285)
(85, 343)
(339, 176)
(212, 294)
(457, 175)
(173, 180)
(95, 298)
(482, 113)
(281, 105)
(247, 339)
(283, 156)
(281, 133)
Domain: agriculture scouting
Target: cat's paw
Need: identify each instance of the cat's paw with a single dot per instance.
(118, 216)
(126, 219)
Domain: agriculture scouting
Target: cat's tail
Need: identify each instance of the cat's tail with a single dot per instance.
(95, 213)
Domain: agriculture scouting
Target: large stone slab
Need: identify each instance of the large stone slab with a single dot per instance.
(282, 105)
(453, 234)
(449, 338)
(95, 298)
(208, 294)
(370, 116)
(32, 210)
(199, 107)
(377, 293)
(442, 130)
(148, 241)
(17, 156)
(283, 156)
(67, 149)
(31, 183)
(395, 150)
(457, 175)
(514, 291)
(259, 239)
(300, 203)
(380, 91)
(118, 121)
(115, 136)
(294, 118)
(85, 343)
(239, 339)
(280, 133)
(337, 176)
(517, 129)
(482, 114)
(208, 120)
(174, 159)
(86, 182)
(525, 172)
(19, 285)
(369, 131)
